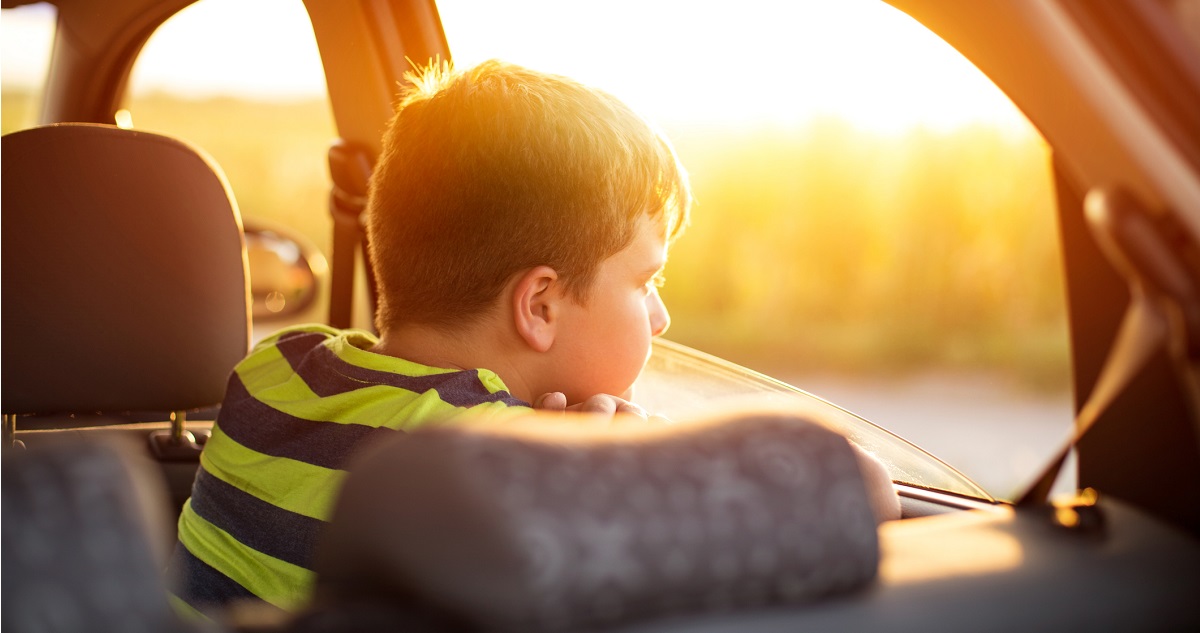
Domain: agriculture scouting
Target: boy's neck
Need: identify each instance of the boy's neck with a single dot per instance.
(465, 349)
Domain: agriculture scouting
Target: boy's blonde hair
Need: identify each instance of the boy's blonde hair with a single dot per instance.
(493, 170)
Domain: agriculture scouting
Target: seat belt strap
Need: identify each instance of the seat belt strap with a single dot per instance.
(350, 170)
(1163, 313)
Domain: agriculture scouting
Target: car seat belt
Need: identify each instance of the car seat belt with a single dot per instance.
(1155, 257)
(350, 168)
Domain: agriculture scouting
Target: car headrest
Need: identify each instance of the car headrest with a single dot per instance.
(124, 272)
(526, 527)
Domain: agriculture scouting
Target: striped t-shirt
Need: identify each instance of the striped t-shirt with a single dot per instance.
(295, 411)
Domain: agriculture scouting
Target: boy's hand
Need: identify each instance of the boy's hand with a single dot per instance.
(602, 404)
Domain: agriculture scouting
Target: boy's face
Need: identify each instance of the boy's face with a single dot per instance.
(604, 342)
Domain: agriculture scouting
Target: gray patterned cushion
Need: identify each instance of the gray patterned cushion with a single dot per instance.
(80, 527)
(561, 525)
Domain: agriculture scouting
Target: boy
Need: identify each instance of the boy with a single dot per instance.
(518, 224)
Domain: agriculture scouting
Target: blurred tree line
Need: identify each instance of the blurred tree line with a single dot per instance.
(827, 248)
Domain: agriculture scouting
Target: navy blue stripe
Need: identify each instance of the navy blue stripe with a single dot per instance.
(260, 427)
(200, 585)
(295, 345)
(328, 375)
(272, 530)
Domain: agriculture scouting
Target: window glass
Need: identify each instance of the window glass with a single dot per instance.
(875, 222)
(26, 38)
(261, 112)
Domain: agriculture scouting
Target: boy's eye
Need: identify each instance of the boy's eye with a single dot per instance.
(657, 280)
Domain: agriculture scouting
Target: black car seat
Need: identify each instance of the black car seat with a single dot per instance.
(124, 273)
(124, 284)
(124, 290)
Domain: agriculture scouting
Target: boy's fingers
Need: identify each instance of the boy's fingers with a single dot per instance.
(553, 401)
(631, 409)
(609, 405)
(602, 404)
(599, 404)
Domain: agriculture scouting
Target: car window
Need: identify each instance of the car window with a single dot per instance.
(679, 382)
(875, 220)
(26, 37)
(260, 111)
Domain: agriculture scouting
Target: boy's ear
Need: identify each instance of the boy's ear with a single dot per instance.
(535, 305)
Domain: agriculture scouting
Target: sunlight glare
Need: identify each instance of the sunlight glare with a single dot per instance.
(952, 547)
(26, 37)
(710, 63)
(763, 62)
(124, 119)
(257, 49)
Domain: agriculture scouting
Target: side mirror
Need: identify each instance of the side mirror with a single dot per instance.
(287, 272)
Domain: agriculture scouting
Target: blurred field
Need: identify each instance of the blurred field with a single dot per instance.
(816, 249)
(825, 249)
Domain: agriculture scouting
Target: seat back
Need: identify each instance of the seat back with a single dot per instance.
(82, 541)
(124, 273)
(537, 524)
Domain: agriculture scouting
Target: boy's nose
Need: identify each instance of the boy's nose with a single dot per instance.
(660, 319)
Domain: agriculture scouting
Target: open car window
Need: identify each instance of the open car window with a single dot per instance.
(680, 382)
(875, 220)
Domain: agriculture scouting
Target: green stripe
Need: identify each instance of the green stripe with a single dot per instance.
(292, 485)
(271, 380)
(267, 369)
(269, 377)
(185, 611)
(491, 381)
(493, 412)
(281, 584)
(375, 406)
(353, 347)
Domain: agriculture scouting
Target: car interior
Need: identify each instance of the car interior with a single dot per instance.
(127, 299)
